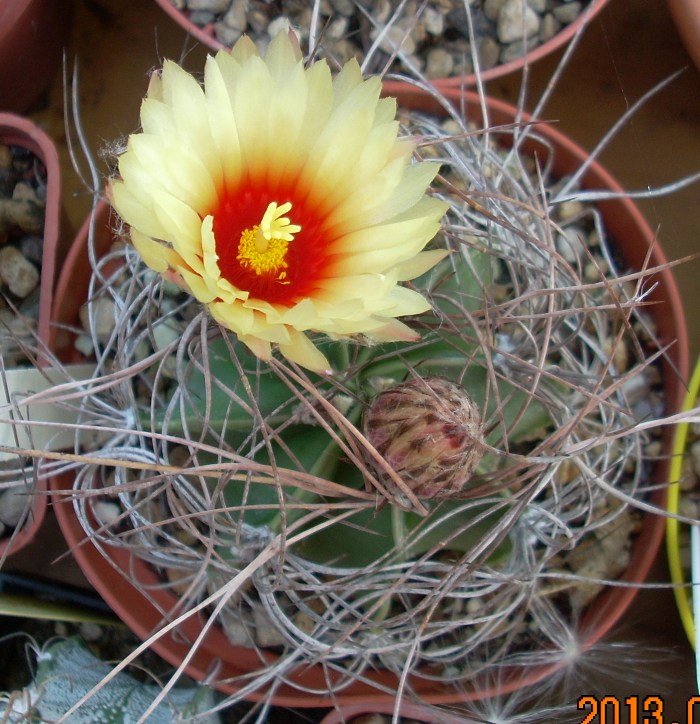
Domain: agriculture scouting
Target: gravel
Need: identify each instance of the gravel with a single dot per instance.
(22, 209)
(433, 37)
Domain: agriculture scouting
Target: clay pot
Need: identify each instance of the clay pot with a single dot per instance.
(565, 35)
(18, 131)
(33, 34)
(679, 576)
(551, 46)
(144, 610)
(686, 14)
(407, 710)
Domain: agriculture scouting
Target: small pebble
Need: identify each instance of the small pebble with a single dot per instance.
(225, 35)
(695, 457)
(99, 317)
(434, 21)
(83, 344)
(237, 15)
(266, 635)
(549, 27)
(570, 243)
(570, 209)
(344, 7)
(515, 21)
(280, 24)
(202, 18)
(492, 8)
(17, 273)
(5, 156)
(395, 38)
(107, 512)
(32, 248)
(91, 631)
(13, 505)
(516, 50)
(489, 53)
(568, 12)
(439, 64)
(209, 6)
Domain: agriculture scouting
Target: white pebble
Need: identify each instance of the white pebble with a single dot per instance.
(515, 21)
(13, 503)
(434, 21)
(266, 634)
(107, 512)
(440, 64)
(19, 274)
(164, 335)
(567, 13)
(280, 24)
(695, 457)
(210, 6)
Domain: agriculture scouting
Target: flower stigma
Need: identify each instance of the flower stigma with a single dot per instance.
(262, 249)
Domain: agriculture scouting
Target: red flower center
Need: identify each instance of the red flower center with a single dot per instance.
(281, 262)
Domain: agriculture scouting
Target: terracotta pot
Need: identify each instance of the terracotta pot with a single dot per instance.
(635, 240)
(18, 131)
(679, 576)
(686, 14)
(206, 37)
(386, 705)
(33, 34)
(557, 42)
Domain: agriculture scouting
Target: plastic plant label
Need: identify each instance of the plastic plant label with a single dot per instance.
(695, 579)
(43, 424)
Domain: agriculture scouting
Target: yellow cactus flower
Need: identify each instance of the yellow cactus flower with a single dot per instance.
(282, 198)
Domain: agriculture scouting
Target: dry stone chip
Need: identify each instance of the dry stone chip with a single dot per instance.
(209, 6)
(394, 37)
(5, 156)
(13, 504)
(568, 12)
(344, 7)
(489, 53)
(434, 22)
(492, 8)
(516, 20)
(440, 64)
(17, 272)
(695, 457)
(237, 15)
(266, 635)
(549, 27)
(23, 214)
(103, 318)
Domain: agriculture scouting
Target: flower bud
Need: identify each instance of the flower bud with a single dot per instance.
(429, 431)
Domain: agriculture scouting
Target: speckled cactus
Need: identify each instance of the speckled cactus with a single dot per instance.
(67, 671)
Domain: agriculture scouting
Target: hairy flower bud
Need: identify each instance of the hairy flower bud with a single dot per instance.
(429, 431)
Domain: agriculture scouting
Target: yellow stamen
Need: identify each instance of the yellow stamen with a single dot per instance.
(263, 248)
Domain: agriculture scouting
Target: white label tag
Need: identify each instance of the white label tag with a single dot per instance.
(48, 418)
(695, 580)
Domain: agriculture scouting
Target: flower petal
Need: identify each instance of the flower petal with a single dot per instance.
(266, 132)
(301, 350)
